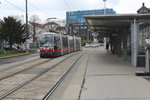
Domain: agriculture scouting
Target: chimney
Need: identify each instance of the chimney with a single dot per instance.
(143, 4)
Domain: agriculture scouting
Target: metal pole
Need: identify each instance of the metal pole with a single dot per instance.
(27, 32)
(1, 43)
(147, 61)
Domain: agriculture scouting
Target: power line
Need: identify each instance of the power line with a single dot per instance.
(22, 9)
(14, 6)
(37, 8)
(33, 6)
(67, 4)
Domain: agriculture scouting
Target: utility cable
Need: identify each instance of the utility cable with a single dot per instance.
(14, 6)
(67, 4)
(37, 8)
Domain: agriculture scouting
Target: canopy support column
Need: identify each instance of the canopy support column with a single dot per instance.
(134, 44)
(125, 34)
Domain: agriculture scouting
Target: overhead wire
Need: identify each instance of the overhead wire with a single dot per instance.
(14, 5)
(42, 10)
(67, 5)
(34, 6)
(24, 10)
(37, 8)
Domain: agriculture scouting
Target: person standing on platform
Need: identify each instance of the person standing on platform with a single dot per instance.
(107, 46)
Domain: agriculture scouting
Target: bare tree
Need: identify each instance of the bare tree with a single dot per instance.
(51, 26)
(61, 29)
(34, 20)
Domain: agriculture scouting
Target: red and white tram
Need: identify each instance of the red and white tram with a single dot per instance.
(54, 44)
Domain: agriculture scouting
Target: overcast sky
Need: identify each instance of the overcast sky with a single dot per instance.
(57, 8)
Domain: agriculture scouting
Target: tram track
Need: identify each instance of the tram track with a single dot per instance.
(23, 67)
(61, 79)
(15, 64)
(34, 77)
(10, 62)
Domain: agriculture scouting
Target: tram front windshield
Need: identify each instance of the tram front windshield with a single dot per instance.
(46, 41)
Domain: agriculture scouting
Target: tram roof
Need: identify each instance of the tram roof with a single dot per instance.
(49, 33)
(106, 24)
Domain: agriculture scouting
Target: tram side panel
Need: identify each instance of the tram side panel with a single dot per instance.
(74, 43)
(77, 43)
(71, 43)
(57, 45)
(65, 44)
(68, 43)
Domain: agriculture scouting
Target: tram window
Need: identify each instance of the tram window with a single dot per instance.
(71, 43)
(77, 42)
(65, 42)
(57, 44)
(46, 41)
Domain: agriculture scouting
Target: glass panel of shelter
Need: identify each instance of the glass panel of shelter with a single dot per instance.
(144, 33)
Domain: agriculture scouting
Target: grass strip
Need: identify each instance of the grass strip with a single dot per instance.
(11, 53)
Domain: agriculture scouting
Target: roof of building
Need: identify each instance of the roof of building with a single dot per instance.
(85, 10)
(143, 8)
(36, 24)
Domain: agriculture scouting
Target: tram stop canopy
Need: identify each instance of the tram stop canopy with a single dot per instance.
(123, 30)
(107, 24)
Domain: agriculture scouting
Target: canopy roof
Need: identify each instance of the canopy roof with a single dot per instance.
(107, 24)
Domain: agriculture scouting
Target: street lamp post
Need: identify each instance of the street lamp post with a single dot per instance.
(27, 31)
(1, 43)
(104, 6)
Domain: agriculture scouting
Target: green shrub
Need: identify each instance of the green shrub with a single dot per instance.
(86, 41)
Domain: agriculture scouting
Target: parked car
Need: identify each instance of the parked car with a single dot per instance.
(95, 45)
(87, 45)
(101, 44)
(7, 47)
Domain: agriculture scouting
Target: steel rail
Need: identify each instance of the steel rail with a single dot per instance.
(61, 79)
(33, 78)
(13, 66)
(23, 70)
(10, 67)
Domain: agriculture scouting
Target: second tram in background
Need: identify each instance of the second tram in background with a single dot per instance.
(54, 44)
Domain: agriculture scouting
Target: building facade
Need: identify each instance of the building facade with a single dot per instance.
(76, 24)
(78, 16)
